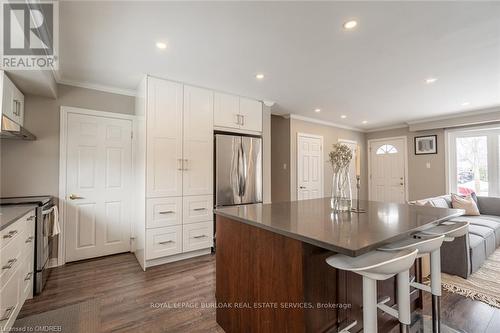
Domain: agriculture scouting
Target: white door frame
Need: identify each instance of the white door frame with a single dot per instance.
(405, 139)
(305, 135)
(65, 111)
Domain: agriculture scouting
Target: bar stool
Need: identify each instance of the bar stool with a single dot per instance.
(429, 241)
(374, 266)
(450, 230)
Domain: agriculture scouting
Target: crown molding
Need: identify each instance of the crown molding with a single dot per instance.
(386, 128)
(323, 122)
(94, 86)
(456, 115)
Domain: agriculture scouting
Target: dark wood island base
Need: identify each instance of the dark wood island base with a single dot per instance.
(267, 282)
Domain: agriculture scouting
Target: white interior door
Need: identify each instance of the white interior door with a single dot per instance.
(387, 170)
(309, 167)
(98, 186)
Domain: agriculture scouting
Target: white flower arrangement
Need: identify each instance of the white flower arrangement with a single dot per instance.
(340, 156)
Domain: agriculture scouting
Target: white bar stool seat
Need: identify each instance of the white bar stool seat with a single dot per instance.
(450, 229)
(373, 266)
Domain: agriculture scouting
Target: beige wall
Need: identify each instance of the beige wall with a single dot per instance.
(330, 136)
(423, 182)
(32, 167)
(280, 159)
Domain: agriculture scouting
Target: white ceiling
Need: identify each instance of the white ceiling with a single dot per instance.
(376, 72)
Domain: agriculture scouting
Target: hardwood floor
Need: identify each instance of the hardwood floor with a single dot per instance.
(130, 299)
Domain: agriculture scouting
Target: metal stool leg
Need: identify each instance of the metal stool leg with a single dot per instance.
(436, 290)
(369, 305)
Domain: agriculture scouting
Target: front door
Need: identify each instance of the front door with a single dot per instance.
(98, 186)
(309, 167)
(387, 170)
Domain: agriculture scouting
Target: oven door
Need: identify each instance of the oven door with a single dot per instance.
(45, 218)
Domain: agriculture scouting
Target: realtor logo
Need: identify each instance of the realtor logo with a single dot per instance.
(30, 35)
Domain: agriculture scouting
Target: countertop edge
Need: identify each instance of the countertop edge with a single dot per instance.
(326, 246)
(14, 219)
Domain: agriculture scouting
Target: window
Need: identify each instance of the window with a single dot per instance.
(474, 161)
(386, 149)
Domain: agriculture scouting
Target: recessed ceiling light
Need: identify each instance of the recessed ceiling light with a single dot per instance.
(343, 116)
(364, 122)
(259, 76)
(465, 103)
(317, 110)
(431, 80)
(350, 24)
(161, 45)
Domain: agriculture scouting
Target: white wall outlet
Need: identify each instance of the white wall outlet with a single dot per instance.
(284, 166)
(428, 165)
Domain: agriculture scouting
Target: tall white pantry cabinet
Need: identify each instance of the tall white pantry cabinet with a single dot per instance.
(173, 163)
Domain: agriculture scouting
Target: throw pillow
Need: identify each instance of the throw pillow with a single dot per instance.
(465, 202)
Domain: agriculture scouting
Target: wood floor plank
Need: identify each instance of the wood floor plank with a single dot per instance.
(125, 295)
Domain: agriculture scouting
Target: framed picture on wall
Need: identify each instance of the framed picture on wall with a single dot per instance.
(425, 145)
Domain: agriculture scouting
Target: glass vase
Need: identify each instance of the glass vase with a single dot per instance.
(341, 200)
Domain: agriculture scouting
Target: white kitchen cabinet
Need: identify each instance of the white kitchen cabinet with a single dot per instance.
(164, 138)
(198, 141)
(226, 110)
(197, 209)
(163, 212)
(251, 114)
(197, 236)
(174, 166)
(237, 113)
(17, 262)
(12, 100)
(161, 242)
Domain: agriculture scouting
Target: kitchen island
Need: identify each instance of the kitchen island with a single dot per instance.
(271, 274)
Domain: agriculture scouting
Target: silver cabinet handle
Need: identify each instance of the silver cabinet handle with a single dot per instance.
(28, 276)
(166, 242)
(166, 212)
(199, 209)
(242, 120)
(185, 167)
(10, 263)
(10, 234)
(179, 164)
(238, 119)
(201, 236)
(29, 239)
(7, 313)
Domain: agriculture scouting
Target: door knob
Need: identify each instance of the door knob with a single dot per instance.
(74, 197)
(302, 187)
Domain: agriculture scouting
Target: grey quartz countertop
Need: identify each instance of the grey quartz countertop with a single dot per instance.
(313, 222)
(10, 214)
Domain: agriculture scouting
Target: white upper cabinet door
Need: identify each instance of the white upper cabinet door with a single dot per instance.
(198, 141)
(251, 114)
(164, 138)
(226, 110)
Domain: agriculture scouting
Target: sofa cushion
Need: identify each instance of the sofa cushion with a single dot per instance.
(488, 236)
(492, 223)
(477, 252)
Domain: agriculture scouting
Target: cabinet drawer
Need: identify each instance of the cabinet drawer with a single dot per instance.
(11, 257)
(9, 303)
(161, 242)
(197, 236)
(10, 233)
(26, 272)
(197, 209)
(163, 212)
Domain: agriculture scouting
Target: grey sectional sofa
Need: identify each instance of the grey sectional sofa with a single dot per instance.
(466, 254)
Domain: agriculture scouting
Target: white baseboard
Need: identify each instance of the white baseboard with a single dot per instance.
(177, 257)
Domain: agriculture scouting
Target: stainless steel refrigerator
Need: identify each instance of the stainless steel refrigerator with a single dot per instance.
(238, 170)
